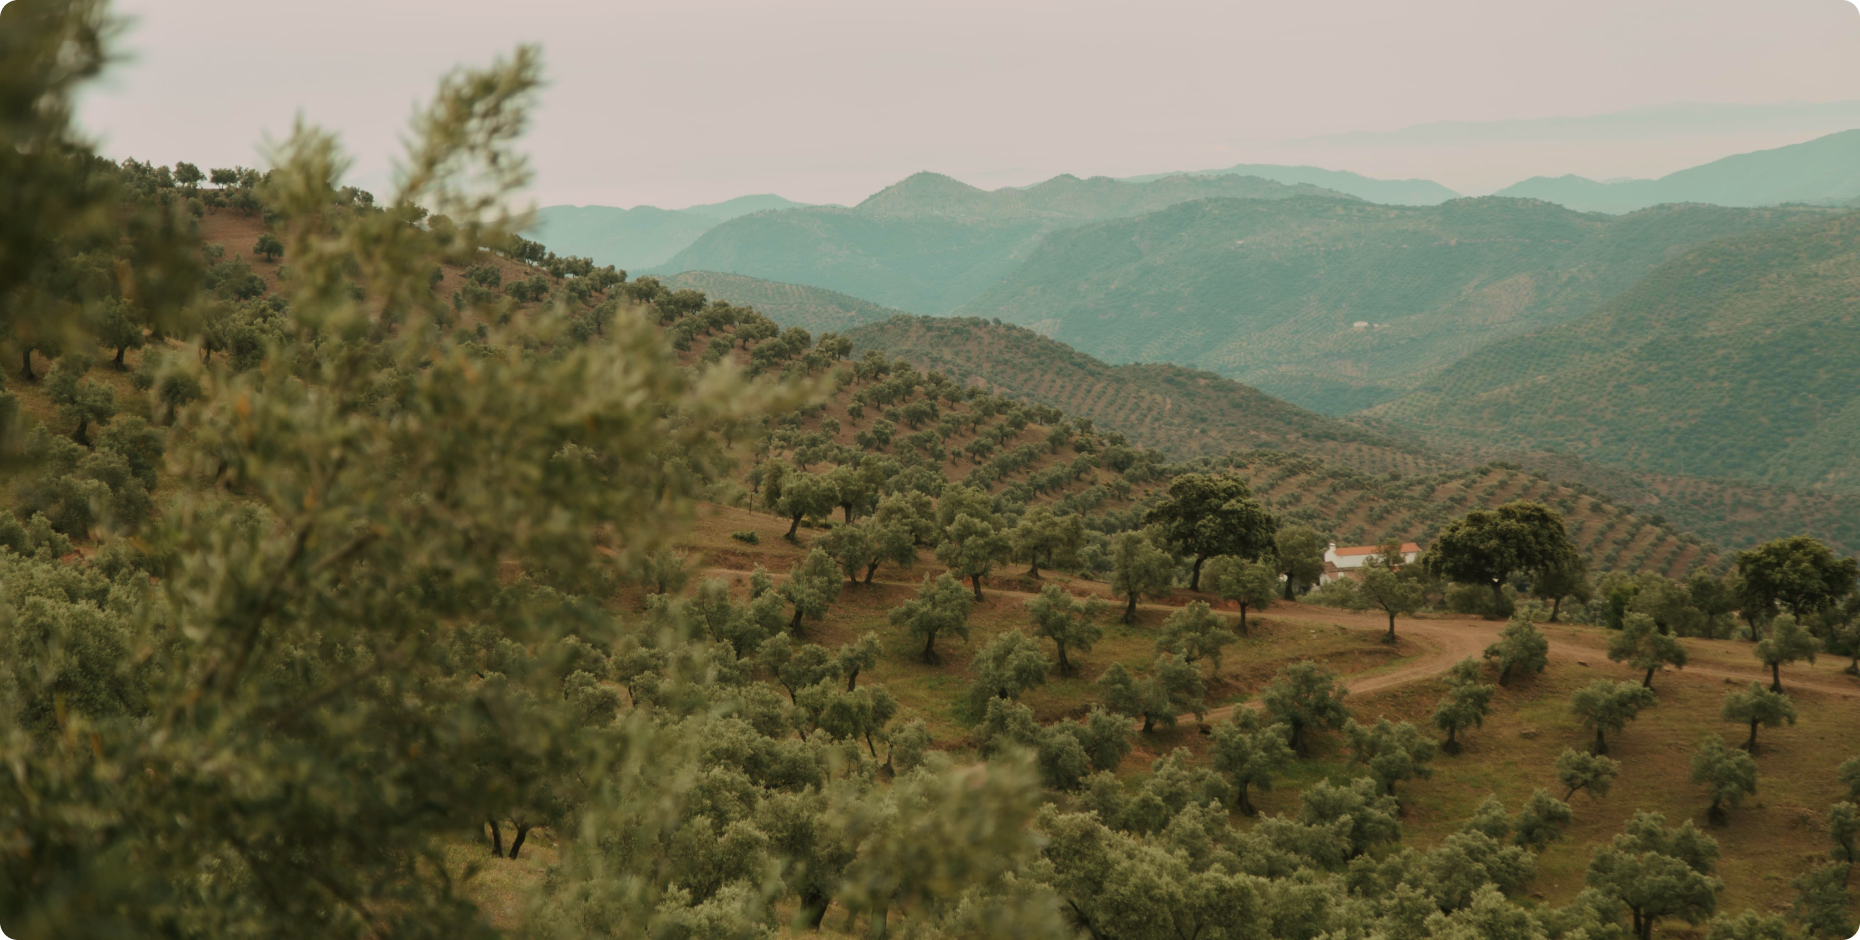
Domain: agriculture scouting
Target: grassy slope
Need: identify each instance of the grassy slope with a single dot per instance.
(1737, 359)
(1772, 838)
(1270, 292)
(929, 244)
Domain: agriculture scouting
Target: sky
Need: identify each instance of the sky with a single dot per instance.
(678, 102)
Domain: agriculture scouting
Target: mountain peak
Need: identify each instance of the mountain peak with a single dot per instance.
(925, 193)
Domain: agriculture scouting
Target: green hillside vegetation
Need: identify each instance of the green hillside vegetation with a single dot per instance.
(929, 244)
(1823, 171)
(1335, 305)
(1386, 192)
(815, 309)
(417, 581)
(1736, 360)
(1182, 412)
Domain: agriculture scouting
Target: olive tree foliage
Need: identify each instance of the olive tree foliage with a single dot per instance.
(1009, 665)
(1656, 872)
(1521, 648)
(1070, 623)
(1250, 753)
(1756, 706)
(1584, 770)
(1171, 687)
(1464, 706)
(971, 548)
(1139, 569)
(1386, 589)
(1391, 751)
(1608, 706)
(1789, 641)
(940, 608)
(1641, 645)
(1727, 774)
(288, 704)
(1305, 697)
(1195, 633)
(1251, 585)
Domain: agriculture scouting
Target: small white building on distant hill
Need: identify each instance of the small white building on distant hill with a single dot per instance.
(1343, 562)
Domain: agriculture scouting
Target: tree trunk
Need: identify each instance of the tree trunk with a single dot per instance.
(814, 908)
(1065, 666)
(870, 570)
(1498, 598)
(1601, 743)
(1391, 636)
(120, 365)
(930, 648)
(1555, 606)
(1149, 722)
(516, 845)
(1452, 746)
(1647, 683)
(1288, 585)
(26, 365)
(1033, 567)
(793, 528)
(976, 580)
(81, 436)
(1194, 576)
(1130, 612)
(852, 682)
(1246, 803)
(1243, 631)
(1504, 675)
(794, 626)
(875, 922)
(847, 508)
(1751, 745)
(1775, 677)
(497, 840)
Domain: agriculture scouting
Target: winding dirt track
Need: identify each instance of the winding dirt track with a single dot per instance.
(1447, 640)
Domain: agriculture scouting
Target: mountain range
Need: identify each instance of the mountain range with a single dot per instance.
(929, 243)
(1335, 304)
(1387, 192)
(1739, 358)
(1825, 170)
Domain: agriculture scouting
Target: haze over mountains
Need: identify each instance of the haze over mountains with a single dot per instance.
(643, 236)
(1823, 171)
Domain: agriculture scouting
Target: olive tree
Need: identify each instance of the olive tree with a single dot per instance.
(1608, 706)
(940, 608)
(1642, 646)
(1755, 706)
(1727, 774)
(1304, 697)
(1071, 624)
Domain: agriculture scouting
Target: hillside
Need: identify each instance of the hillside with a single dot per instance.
(1182, 412)
(1823, 171)
(640, 237)
(814, 309)
(1738, 359)
(1335, 305)
(930, 243)
(1386, 192)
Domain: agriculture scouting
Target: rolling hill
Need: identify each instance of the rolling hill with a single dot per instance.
(814, 309)
(1337, 305)
(1740, 358)
(1387, 192)
(1825, 170)
(1184, 413)
(930, 243)
(640, 237)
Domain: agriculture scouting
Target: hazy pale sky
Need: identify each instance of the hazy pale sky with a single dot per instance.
(674, 102)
